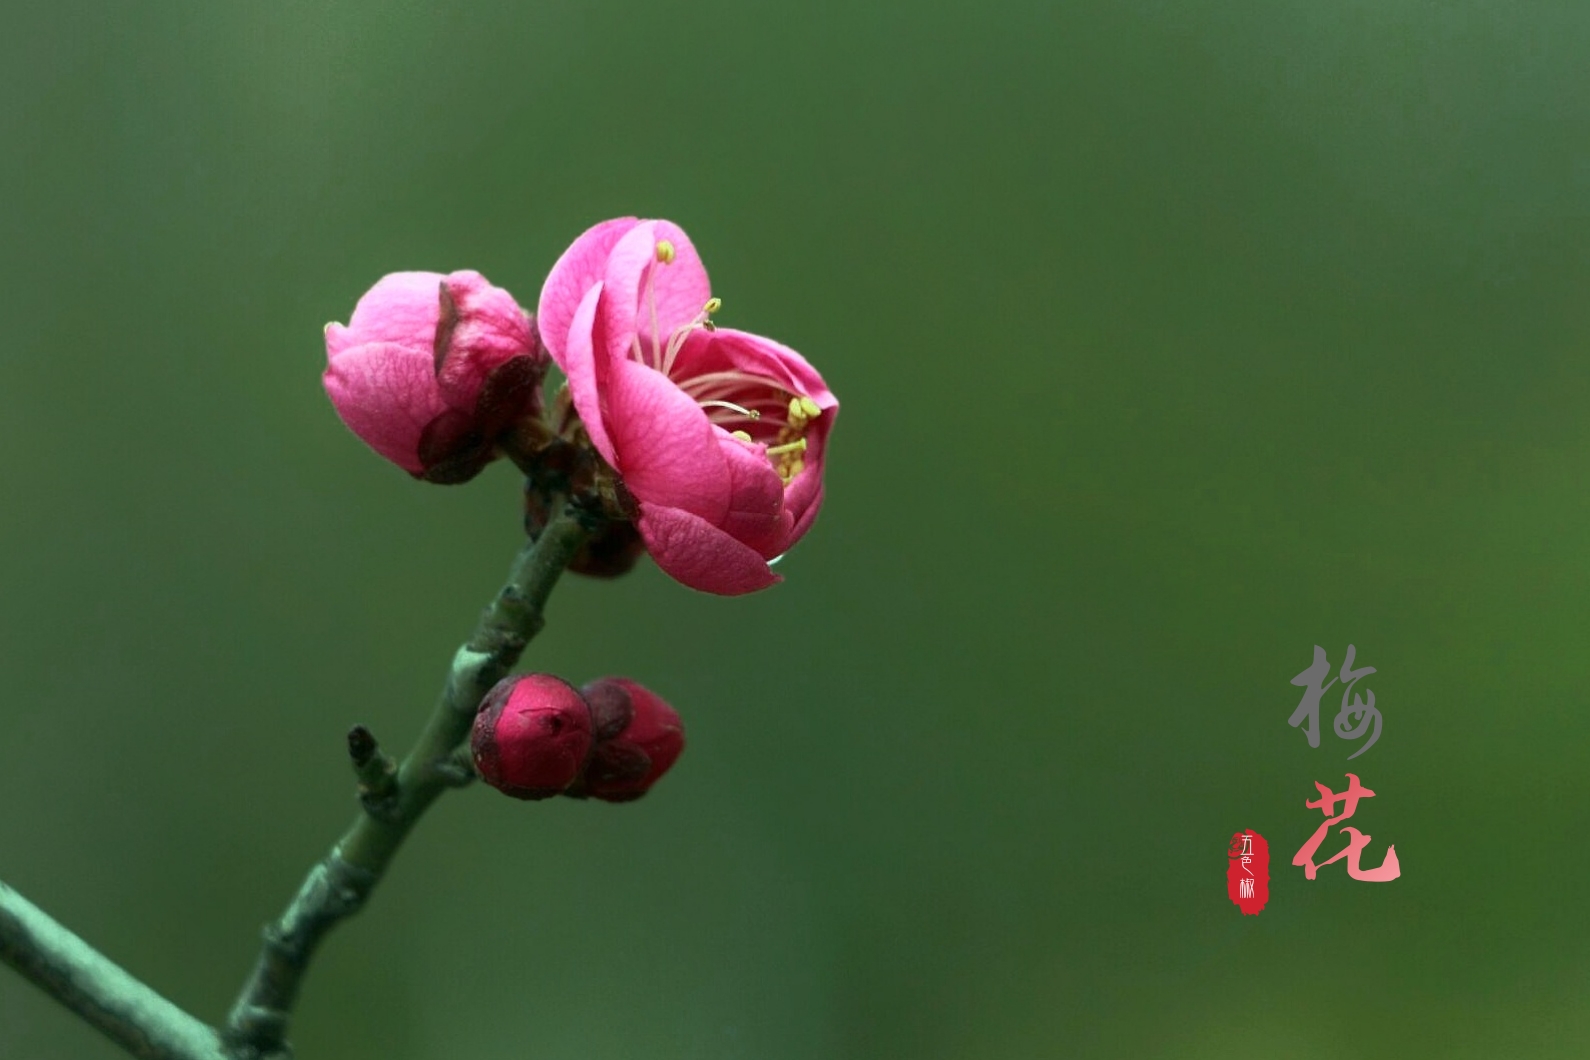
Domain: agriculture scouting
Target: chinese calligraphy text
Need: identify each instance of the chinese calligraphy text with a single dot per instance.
(1356, 841)
(1357, 715)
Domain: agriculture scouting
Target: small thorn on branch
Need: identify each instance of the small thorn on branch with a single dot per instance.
(376, 770)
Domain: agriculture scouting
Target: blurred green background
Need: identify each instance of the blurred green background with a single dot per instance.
(1173, 340)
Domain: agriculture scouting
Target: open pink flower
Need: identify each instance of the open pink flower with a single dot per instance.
(430, 368)
(719, 434)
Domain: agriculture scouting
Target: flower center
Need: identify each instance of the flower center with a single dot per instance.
(763, 412)
(754, 408)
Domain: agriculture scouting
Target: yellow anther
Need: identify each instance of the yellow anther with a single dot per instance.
(797, 412)
(750, 414)
(712, 306)
(797, 446)
(810, 407)
(788, 468)
(665, 252)
(742, 435)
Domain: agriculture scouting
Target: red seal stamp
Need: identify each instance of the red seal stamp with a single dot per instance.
(1248, 872)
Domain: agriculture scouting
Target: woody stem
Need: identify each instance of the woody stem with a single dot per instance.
(340, 883)
(97, 989)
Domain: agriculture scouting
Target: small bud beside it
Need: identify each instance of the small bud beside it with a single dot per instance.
(638, 739)
(611, 550)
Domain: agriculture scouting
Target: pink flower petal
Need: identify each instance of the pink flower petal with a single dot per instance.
(756, 514)
(338, 338)
(802, 500)
(804, 494)
(386, 394)
(586, 371)
(667, 451)
(762, 356)
(677, 294)
(694, 552)
(726, 349)
(576, 272)
(402, 307)
(491, 329)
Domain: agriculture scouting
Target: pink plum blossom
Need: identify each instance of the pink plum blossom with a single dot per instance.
(719, 434)
(430, 368)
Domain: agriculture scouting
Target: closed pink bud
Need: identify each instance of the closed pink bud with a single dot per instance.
(431, 368)
(532, 736)
(639, 737)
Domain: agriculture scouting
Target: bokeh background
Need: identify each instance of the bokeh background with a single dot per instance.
(1173, 340)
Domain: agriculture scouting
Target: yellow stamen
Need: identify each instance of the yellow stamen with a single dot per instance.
(797, 446)
(810, 407)
(676, 341)
(665, 252)
(742, 435)
(750, 414)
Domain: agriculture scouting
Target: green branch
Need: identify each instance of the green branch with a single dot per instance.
(392, 799)
(97, 989)
(338, 886)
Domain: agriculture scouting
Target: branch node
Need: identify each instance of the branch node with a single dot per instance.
(457, 770)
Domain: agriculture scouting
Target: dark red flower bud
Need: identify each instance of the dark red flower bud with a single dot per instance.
(532, 736)
(610, 551)
(638, 738)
